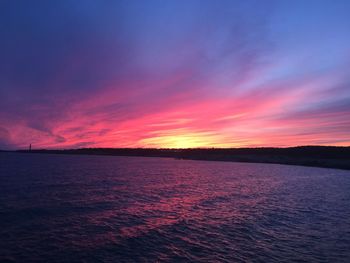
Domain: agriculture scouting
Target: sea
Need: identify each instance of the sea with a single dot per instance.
(84, 208)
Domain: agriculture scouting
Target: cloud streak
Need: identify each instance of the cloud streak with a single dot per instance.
(172, 74)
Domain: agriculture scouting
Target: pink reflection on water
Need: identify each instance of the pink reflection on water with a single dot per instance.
(202, 198)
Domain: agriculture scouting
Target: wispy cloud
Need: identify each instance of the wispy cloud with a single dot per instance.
(173, 74)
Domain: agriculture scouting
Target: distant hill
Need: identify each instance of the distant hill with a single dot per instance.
(319, 156)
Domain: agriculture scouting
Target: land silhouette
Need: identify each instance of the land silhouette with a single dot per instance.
(318, 156)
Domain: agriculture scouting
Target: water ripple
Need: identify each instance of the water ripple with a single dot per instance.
(124, 209)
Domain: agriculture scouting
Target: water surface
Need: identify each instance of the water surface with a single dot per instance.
(65, 208)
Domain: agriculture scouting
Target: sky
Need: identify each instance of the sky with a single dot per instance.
(174, 74)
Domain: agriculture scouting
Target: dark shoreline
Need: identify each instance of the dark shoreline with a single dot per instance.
(315, 156)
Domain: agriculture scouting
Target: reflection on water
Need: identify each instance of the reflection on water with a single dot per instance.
(124, 209)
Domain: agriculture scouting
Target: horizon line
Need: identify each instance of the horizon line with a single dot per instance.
(188, 148)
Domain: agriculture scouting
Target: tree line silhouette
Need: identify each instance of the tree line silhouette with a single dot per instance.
(320, 156)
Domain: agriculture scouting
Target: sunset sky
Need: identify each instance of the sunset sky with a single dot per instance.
(176, 73)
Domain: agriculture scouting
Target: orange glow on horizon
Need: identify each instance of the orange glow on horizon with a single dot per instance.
(183, 140)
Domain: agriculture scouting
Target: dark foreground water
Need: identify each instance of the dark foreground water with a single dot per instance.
(61, 208)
